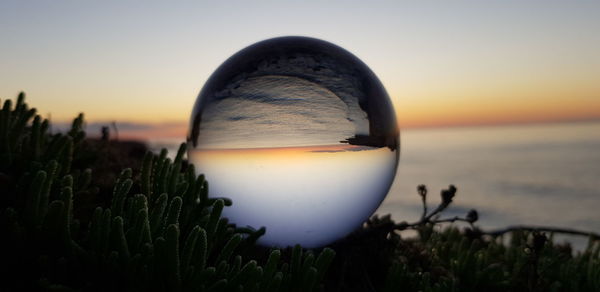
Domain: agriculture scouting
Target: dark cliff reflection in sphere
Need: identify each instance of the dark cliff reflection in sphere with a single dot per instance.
(301, 135)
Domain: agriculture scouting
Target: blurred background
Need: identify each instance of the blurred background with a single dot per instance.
(500, 98)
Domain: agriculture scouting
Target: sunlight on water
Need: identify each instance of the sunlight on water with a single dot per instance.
(301, 135)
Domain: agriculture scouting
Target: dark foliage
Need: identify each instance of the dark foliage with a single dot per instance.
(149, 229)
(441, 257)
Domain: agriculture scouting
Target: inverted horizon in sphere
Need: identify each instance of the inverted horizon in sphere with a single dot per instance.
(323, 108)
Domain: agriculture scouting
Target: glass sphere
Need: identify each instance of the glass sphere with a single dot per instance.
(301, 135)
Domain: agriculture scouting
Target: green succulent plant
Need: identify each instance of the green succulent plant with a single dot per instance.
(159, 232)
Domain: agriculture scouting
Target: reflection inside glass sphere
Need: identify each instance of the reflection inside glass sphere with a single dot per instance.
(301, 135)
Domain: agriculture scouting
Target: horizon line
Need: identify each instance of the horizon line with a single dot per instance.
(173, 129)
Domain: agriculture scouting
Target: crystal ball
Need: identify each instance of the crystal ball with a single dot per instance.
(301, 136)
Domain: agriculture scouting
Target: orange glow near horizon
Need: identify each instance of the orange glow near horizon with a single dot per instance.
(418, 106)
(491, 104)
(172, 131)
(444, 115)
(435, 114)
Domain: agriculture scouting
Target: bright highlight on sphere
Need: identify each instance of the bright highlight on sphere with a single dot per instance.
(301, 135)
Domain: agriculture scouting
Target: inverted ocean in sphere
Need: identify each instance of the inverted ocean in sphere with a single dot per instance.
(301, 135)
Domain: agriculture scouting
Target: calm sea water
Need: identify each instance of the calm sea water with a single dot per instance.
(539, 174)
(536, 174)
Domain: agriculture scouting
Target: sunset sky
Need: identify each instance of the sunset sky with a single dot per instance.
(444, 63)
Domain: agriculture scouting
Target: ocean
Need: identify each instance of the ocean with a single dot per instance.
(544, 174)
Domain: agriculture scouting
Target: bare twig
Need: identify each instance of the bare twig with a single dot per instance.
(452, 220)
(404, 225)
(514, 228)
(472, 216)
